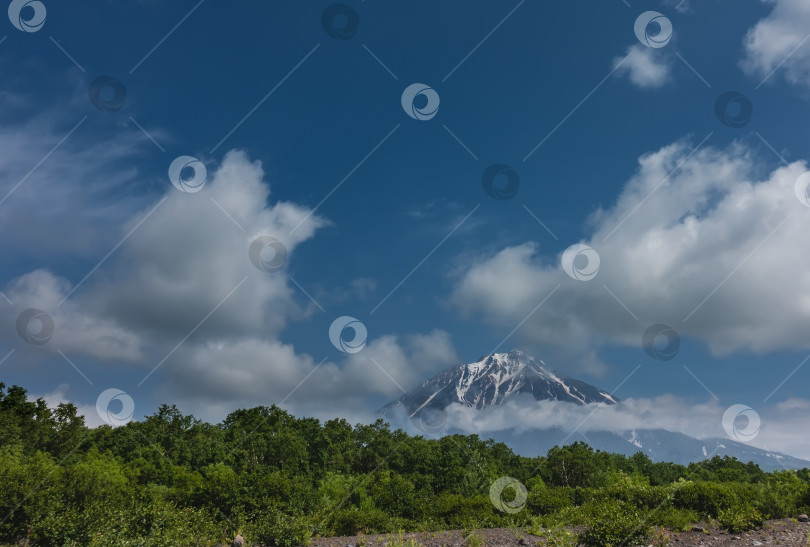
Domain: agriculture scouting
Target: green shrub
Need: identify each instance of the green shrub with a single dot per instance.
(649, 497)
(394, 494)
(776, 505)
(154, 523)
(401, 541)
(705, 497)
(739, 519)
(474, 540)
(458, 511)
(543, 501)
(614, 477)
(349, 521)
(569, 516)
(277, 528)
(614, 524)
(20, 476)
(660, 537)
(672, 518)
(557, 536)
(781, 495)
(642, 496)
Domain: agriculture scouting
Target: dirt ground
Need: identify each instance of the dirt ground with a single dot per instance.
(775, 532)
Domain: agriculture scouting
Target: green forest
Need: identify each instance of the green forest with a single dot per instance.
(173, 480)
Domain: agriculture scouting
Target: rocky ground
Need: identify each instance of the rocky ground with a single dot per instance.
(786, 533)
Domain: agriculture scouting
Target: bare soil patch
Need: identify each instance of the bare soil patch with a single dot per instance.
(786, 533)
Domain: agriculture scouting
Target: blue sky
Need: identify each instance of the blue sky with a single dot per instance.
(385, 217)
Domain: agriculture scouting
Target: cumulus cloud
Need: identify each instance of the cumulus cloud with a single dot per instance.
(646, 67)
(215, 378)
(211, 379)
(700, 241)
(779, 42)
(188, 257)
(181, 297)
(76, 330)
(398, 364)
(784, 427)
(180, 259)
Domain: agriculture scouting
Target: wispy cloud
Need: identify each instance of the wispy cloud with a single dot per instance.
(696, 240)
(648, 68)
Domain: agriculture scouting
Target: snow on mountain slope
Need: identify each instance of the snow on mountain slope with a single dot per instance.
(493, 379)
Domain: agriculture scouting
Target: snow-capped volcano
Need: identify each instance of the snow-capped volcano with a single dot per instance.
(494, 378)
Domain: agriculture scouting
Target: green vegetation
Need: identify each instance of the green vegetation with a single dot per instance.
(173, 480)
(615, 523)
(474, 540)
(556, 536)
(740, 518)
(400, 541)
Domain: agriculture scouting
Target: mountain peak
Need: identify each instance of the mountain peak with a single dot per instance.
(503, 366)
(511, 355)
(493, 379)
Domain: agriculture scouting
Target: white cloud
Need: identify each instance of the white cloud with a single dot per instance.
(772, 43)
(186, 258)
(77, 331)
(362, 287)
(181, 292)
(784, 428)
(700, 243)
(180, 258)
(521, 419)
(646, 67)
(524, 413)
(778, 431)
(212, 379)
(64, 205)
(407, 361)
